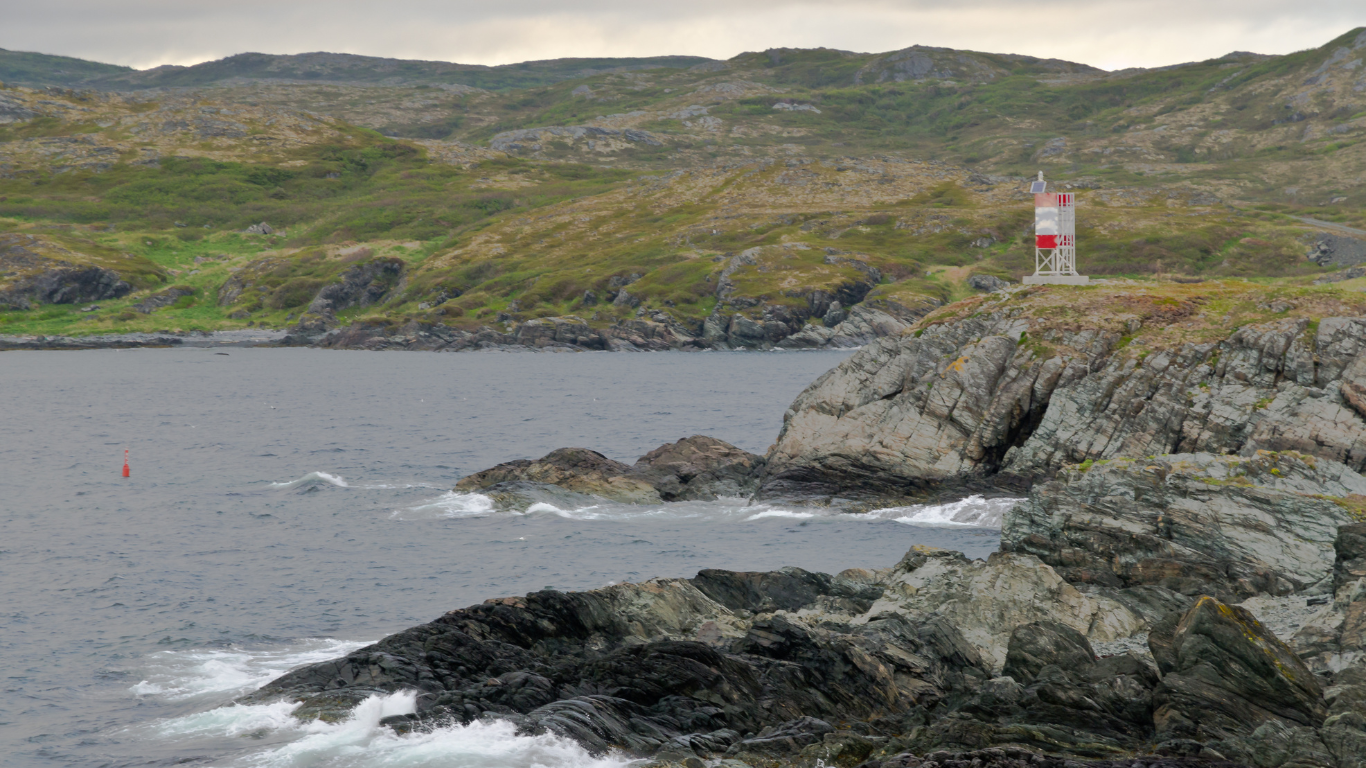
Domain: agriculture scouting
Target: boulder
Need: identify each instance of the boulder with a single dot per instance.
(988, 283)
(696, 467)
(699, 467)
(1192, 523)
(1038, 644)
(1225, 676)
(985, 600)
(575, 469)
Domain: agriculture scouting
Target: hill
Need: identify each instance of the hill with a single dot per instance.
(40, 70)
(715, 198)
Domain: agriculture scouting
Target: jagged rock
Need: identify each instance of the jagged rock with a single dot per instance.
(1193, 523)
(259, 229)
(834, 315)
(970, 400)
(163, 298)
(1225, 676)
(661, 666)
(982, 599)
(699, 467)
(1269, 387)
(1034, 646)
(910, 412)
(362, 285)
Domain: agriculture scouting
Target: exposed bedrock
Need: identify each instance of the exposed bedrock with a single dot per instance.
(696, 467)
(1002, 400)
(933, 660)
(1197, 524)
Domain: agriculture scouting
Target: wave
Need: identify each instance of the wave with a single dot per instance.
(233, 671)
(361, 741)
(973, 511)
(313, 479)
(317, 479)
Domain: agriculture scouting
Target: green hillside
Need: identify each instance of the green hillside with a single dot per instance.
(759, 187)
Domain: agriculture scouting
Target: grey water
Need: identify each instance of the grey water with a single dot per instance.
(287, 506)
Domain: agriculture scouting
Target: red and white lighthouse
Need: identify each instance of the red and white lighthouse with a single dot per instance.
(1055, 237)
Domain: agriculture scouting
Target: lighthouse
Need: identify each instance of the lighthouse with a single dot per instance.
(1055, 237)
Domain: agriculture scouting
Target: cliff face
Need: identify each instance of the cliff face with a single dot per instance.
(1010, 393)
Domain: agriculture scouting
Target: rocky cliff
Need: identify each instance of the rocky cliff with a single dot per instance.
(1009, 389)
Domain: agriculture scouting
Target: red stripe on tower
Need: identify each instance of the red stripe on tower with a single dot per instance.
(1045, 241)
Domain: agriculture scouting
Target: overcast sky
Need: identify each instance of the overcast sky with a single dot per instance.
(1110, 34)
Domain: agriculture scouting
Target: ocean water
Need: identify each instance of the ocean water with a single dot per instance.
(288, 506)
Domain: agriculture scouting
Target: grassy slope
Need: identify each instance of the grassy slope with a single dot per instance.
(528, 237)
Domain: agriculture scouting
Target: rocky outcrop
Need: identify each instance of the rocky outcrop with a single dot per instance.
(1330, 250)
(35, 271)
(163, 298)
(361, 285)
(909, 413)
(697, 467)
(64, 284)
(575, 469)
(1004, 399)
(671, 665)
(885, 668)
(1198, 524)
(1233, 688)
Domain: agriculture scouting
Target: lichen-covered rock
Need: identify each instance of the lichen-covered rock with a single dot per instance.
(1007, 399)
(1193, 523)
(1225, 677)
(910, 413)
(985, 600)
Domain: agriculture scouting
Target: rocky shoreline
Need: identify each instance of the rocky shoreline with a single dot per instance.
(1184, 585)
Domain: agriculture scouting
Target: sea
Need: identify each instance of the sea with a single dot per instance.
(287, 506)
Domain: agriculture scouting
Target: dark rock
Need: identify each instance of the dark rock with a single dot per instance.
(1331, 250)
(781, 740)
(616, 668)
(1034, 646)
(1226, 677)
(699, 467)
(163, 298)
(575, 469)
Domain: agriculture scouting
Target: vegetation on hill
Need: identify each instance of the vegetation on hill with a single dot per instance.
(741, 187)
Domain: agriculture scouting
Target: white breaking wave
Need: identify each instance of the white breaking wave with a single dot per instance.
(973, 511)
(179, 675)
(449, 504)
(361, 741)
(314, 478)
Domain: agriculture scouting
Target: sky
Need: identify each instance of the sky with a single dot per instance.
(1111, 34)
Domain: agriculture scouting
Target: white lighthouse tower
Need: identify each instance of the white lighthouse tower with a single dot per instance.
(1055, 237)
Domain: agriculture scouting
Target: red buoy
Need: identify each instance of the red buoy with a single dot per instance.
(125, 462)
